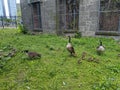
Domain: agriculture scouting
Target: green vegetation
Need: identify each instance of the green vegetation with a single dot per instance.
(22, 29)
(56, 69)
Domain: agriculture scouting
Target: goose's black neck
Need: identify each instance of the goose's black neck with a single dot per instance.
(69, 39)
(100, 43)
(26, 51)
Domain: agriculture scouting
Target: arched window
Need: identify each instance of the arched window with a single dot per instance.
(68, 12)
(109, 15)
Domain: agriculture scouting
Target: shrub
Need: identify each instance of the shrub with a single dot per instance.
(78, 35)
(22, 29)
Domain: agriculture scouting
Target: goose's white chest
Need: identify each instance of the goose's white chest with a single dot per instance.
(69, 45)
(101, 48)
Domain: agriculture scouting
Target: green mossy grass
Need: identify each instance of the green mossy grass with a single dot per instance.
(56, 69)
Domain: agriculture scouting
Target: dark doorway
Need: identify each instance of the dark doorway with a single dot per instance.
(36, 9)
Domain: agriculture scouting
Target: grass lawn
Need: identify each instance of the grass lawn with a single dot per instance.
(56, 69)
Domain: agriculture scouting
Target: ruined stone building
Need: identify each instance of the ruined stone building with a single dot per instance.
(89, 17)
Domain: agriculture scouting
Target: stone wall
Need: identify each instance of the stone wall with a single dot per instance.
(26, 14)
(88, 17)
(48, 15)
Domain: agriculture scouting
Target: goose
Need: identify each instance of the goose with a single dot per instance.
(69, 47)
(100, 48)
(12, 53)
(84, 54)
(32, 54)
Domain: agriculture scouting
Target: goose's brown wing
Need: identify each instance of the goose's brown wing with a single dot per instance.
(71, 50)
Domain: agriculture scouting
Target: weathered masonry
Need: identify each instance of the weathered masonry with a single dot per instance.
(90, 17)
